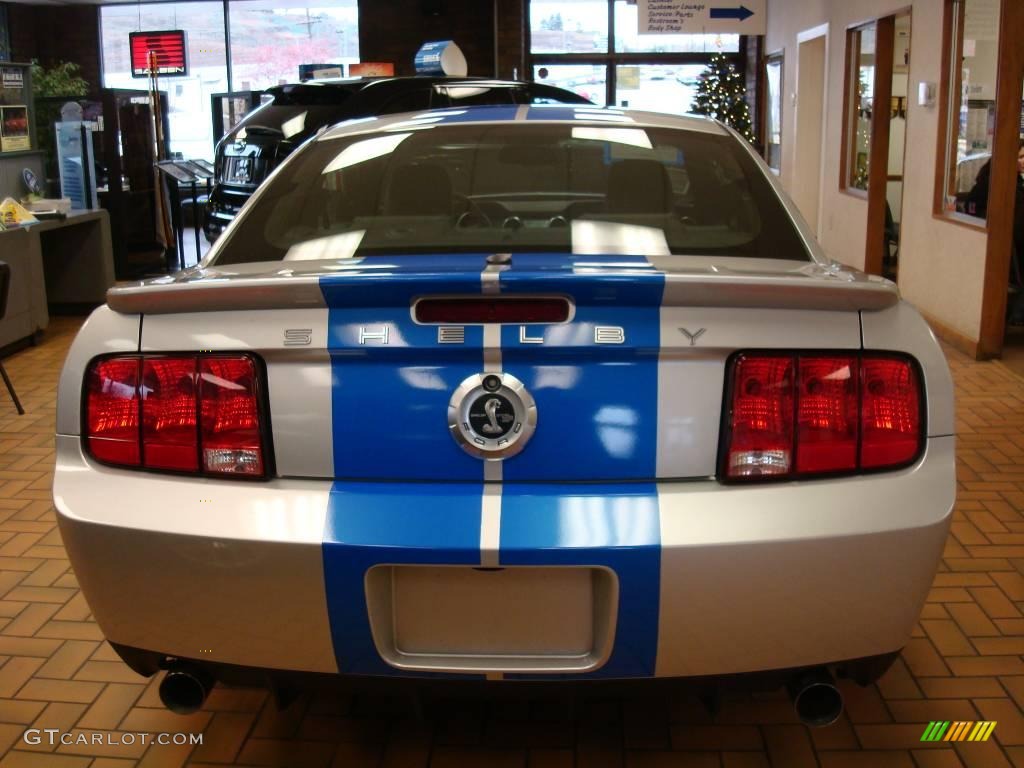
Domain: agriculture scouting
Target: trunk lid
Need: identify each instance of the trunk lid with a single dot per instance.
(629, 388)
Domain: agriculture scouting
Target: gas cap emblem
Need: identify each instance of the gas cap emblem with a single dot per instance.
(492, 415)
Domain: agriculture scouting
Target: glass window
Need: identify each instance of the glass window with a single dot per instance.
(657, 87)
(588, 80)
(188, 98)
(970, 120)
(628, 40)
(585, 188)
(773, 112)
(271, 38)
(861, 49)
(569, 26)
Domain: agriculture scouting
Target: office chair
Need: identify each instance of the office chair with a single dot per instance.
(5, 284)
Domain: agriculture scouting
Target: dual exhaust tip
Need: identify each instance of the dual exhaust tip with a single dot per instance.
(815, 697)
(814, 694)
(185, 687)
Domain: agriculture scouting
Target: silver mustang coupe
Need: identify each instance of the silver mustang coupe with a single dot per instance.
(509, 393)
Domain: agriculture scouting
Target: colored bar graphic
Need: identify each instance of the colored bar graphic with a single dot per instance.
(944, 730)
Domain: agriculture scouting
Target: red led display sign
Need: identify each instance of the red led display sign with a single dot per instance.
(169, 48)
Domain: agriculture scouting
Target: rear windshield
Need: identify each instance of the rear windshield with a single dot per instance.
(511, 187)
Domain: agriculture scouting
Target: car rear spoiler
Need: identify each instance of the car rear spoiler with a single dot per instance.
(784, 290)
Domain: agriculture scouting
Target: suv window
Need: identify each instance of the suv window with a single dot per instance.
(410, 101)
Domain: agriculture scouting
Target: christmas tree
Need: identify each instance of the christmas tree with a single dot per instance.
(721, 93)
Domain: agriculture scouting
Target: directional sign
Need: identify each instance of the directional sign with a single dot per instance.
(744, 17)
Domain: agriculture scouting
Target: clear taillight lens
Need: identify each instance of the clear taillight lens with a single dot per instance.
(187, 413)
(231, 417)
(762, 417)
(808, 414)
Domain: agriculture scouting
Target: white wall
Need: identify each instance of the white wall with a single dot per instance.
(941, 263)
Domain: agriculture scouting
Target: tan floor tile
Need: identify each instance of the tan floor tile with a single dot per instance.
(16, 672)
(224, 737)
(57, 715)
(972, 620)
(111, 706)
(985, 666)
(28, 622)
(21, 712)
(16, 759)
(67, 660)
(108, 672)
(947, 638)
(960, 687)
(60, 690)
(1010, 728)
(934, 758)
(164, 721)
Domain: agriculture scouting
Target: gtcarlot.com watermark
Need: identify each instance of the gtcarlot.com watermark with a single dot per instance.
(56, 737)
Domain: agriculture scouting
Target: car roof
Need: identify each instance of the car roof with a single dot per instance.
(569, 114)
(356, 83)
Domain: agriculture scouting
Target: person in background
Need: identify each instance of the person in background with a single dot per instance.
(977, 205)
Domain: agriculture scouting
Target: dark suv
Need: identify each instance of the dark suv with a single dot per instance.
(251, 150)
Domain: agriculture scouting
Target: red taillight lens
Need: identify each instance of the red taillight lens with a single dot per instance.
(890, 412)
(813, 414)
(231, 418)
(762, 417)
(169, 436)
(112, 410)
(826, 414)
(188, 413)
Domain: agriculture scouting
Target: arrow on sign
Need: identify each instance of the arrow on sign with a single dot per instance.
(742, 13)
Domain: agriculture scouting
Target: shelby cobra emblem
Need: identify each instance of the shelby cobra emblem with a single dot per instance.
(491, 415)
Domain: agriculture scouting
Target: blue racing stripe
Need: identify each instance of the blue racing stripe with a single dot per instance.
(390, 401)
(615, 526)
(597, 404)
(370, 524)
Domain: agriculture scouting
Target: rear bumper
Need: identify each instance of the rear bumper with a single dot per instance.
(706, 580)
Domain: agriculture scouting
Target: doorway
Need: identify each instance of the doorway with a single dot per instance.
(879, 65)
(812, 58)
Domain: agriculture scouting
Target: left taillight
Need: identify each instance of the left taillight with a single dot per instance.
(198, 414)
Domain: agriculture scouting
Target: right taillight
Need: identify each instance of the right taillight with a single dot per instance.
(817, 414)
(199, 414)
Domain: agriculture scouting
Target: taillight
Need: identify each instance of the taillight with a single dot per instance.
(169, 438)
(112, 410)
(231, 417)
(811, 414)
(199, 414)
(890, 412)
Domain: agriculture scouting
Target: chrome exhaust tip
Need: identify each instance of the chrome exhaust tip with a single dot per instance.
(185, 687)
(815, 697)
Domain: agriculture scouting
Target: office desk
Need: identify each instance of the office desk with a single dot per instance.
(67, 262)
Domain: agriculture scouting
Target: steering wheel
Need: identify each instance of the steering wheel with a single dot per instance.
(473, 216)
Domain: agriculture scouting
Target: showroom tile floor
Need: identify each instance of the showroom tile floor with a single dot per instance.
(965, 661)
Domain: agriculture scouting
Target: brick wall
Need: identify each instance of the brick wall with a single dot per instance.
(57, 33)
(394, 31)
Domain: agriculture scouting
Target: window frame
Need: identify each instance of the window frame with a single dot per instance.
(778, 57)
(611, 59)
(851, 107)
(950, 88)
